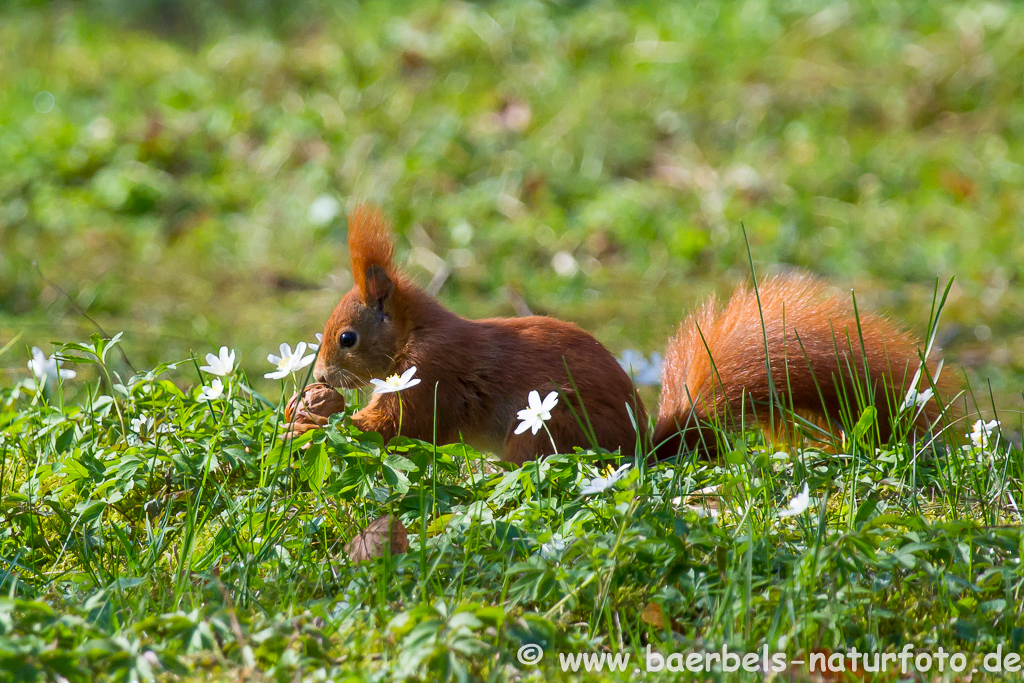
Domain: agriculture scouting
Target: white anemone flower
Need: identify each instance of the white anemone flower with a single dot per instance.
(632, 361)
(799, 504)
(319, 341)
(212, 392)
(44, 369)
(981, 432)
(141, 424)
(395, 383)
(917, 399)
(553, 549)
(289, 362)
(537, 412)
(651, 377)
(222, 364)
(602, 484)
(643, 372)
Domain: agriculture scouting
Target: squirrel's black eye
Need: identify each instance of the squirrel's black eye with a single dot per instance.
(348, 339)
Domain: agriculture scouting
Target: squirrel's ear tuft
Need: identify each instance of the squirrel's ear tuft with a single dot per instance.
(371, 252)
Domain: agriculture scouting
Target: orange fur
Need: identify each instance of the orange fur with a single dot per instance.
(476, 374)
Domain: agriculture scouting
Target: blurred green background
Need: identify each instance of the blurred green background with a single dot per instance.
(183, 169)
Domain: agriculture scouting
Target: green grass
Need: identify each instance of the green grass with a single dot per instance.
(169, 191)
(150, 534)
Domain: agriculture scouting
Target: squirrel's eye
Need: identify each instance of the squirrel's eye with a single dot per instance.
(348, 339)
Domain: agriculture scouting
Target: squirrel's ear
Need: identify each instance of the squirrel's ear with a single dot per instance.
(378, 287)
(371, 252)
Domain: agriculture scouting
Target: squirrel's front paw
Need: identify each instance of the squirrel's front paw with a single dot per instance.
(310, 411)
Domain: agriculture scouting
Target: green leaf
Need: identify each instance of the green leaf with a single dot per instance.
(866, 421)
(397, 462)
(316, 464)
(864, 511)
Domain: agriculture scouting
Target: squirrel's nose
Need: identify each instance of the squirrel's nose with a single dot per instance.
(319, 374)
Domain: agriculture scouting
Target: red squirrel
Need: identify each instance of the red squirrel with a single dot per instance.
(477, 374)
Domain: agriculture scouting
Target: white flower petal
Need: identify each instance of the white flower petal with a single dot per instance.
(798, 505)
(395, 383)
(212, 392)
(620, 472)
(44, 369)
(600, 484)
(534, 401)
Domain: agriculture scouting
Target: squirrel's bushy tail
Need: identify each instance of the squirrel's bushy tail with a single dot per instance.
(823, 361)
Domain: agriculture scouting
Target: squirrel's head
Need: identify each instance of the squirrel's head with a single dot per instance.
(362, 336)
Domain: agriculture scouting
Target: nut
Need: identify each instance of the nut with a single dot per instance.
(318, 401)
(384, 534)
